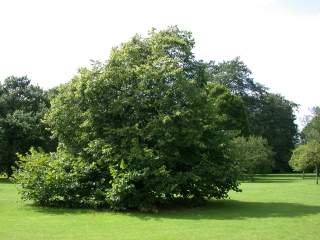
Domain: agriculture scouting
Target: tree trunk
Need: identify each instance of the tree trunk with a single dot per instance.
(9, 172)
(303, 174)
(317, 173)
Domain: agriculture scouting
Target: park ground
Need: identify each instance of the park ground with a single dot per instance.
(272, 207)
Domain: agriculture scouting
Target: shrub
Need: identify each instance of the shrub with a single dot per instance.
(58, 179)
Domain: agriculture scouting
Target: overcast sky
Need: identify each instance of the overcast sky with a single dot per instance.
(278, 39)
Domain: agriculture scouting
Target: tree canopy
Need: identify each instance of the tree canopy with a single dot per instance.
(144, 129)
(306, 156)
(22, 107)
(311, 132)
(253, 154)
(268, 115)
(276, 122)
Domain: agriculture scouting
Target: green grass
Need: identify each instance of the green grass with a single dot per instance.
(273, 207)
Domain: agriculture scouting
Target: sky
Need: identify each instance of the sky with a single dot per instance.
(279, 40)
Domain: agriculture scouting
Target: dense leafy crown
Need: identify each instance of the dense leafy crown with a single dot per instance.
(148, 127)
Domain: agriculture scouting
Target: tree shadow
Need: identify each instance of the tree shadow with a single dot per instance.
(63, 211)
(5, 181)
(215, 210)
(286, 175)
(279, 178)
(232, 209)
(273, 180)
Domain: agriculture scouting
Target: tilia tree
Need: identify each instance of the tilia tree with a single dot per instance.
(143, 129)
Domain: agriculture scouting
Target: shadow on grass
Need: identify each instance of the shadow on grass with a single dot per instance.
(231, 209)
(280, 178)
(5, 181)
(290, 175)
(215, 210)
(273, 180)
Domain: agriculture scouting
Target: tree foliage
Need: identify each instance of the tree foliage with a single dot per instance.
(145, 128)
(311, 132)
(57, 179)
(276, 122)
(22, 106)
(253, 154)
(268, 115)
(298, 162)
(236, 76)
(306, 156)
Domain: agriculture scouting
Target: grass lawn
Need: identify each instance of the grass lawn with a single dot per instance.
(273, 207)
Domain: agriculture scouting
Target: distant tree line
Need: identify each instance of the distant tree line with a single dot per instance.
(150, 126)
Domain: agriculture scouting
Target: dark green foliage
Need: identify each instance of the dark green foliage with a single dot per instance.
(236, 76)
(149, 123)
(22, 106)
(228, 107)
(268, 115)
(276, 123)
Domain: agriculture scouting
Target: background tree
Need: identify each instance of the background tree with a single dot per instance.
(276, 122)
(311, 132)
(236, 76)
(306, 156)
(22, 107)
(229, 109)
(268, 115)
(147, 127)
(253, 154)
(298, 161)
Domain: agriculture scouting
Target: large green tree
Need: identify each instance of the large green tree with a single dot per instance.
(149, 125)
(22, 106)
